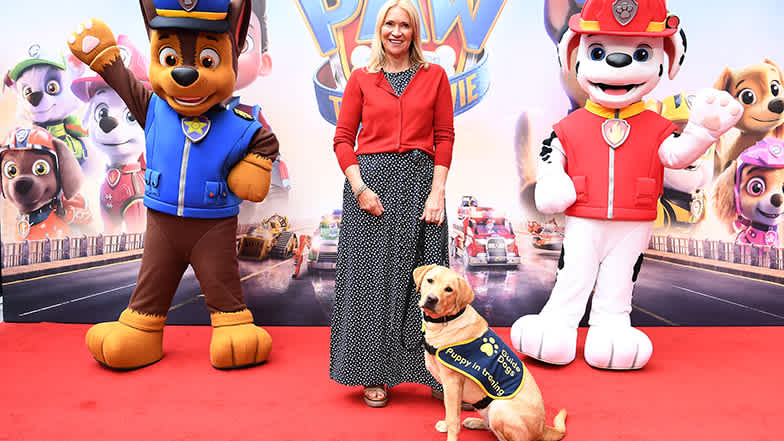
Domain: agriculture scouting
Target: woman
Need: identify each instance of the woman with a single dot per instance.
(393, 206)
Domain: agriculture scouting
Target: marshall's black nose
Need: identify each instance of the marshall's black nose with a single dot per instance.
(430, 302)
(185, 76)
(776, 200)
(35, 98)
(107, 123)
(23, 186)
(619, 59)
(776, 106)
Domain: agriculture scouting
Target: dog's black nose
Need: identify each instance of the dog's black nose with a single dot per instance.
(23, 186)
(619, 59)
(35, 98)
(776, 106)
(185, 76)
(430, 302)
(107, 123)
(776, 200)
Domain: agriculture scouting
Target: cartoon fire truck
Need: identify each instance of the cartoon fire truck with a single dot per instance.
(485, 237)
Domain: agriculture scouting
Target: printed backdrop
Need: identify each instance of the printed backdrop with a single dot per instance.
(507, 91)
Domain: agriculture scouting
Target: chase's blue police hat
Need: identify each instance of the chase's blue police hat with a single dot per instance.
(197, 15)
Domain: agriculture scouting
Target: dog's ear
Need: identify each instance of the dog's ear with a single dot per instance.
(724, 81)
(769, 61)
(568, 43)
(419, 274)
(8, 82)
(148, 13)
(724, 195)
(465, 294)
(556, 16)
(239, 20)
(675, 46)
(71, 176)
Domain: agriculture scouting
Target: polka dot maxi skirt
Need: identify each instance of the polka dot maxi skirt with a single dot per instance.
(376, 324)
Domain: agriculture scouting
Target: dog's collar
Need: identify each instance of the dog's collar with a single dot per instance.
(444, 319)
(742, 221)
(605, 112)
(39, 215)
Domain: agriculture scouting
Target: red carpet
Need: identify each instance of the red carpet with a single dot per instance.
(50, 389)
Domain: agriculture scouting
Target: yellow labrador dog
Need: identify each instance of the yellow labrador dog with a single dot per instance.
(458, 340)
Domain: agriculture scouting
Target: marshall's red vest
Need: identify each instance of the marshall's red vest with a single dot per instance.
(622, 183)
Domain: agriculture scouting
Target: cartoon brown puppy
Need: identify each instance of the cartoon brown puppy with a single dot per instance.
(758, 87)
(203, 159)
(39, 176)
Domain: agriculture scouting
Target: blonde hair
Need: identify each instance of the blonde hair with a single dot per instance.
(378, 55)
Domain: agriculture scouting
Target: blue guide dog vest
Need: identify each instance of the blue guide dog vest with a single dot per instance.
(488, 362)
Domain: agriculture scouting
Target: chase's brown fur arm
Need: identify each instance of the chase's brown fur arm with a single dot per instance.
(264, 143)
(131, 90)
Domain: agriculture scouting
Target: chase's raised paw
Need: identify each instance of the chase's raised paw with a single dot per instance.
(94, 44)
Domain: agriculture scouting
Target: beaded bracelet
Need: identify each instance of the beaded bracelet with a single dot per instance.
(361, 188)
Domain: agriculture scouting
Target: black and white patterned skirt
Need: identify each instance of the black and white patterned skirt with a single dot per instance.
(376, 324)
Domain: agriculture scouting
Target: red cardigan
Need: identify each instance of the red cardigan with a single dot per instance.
(421, 118)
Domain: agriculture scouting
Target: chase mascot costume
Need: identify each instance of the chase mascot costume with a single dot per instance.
(602, 166)
(202, 160)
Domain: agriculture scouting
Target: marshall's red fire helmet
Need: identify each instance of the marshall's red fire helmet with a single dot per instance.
(646, 18)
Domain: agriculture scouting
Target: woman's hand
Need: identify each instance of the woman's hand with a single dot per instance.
(370, 202)
(434, 208)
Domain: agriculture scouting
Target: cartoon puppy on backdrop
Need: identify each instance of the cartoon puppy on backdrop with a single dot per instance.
(749, 195)
(603, 167)
(115, 132)
(42, 82)
(758, 87)
(556, 23)
(41, 178)
(202, 159)
(458, 341)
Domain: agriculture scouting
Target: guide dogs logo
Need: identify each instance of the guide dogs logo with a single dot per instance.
(454, 33)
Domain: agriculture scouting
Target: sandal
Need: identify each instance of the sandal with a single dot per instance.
(375, 396)
(439, 395)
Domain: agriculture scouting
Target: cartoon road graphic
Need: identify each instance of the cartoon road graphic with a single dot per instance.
(665, 295)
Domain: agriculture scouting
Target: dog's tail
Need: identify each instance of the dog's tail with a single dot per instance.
(559, 431)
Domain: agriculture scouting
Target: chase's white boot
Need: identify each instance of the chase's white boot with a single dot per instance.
(543, 339)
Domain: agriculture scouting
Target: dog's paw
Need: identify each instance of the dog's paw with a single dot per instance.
(474, 423)
(94, 44)
(441, 426)
(716, 111)
(554, 193)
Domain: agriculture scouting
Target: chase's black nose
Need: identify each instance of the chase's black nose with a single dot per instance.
(107, 123)
(23, 185)
(430, 302)
(185, 76)
(35, 98)
(619, 59)
(776, 200)
(776, 106)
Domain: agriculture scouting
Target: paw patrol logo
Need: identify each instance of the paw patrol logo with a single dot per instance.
(188, 5)
(453, 35)
(624, 11)
(21, 137)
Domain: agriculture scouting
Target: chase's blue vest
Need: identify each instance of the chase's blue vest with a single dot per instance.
(186, 178)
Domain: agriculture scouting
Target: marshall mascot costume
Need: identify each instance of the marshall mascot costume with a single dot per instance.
(202, 160)
(602, 166)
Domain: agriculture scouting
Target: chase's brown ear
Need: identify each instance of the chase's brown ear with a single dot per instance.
(71, 175)
(148, 13)
(239, 20)
(419, 274)
(465, 294)
(724, 81)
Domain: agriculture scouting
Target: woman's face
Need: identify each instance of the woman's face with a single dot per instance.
(396, 32)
